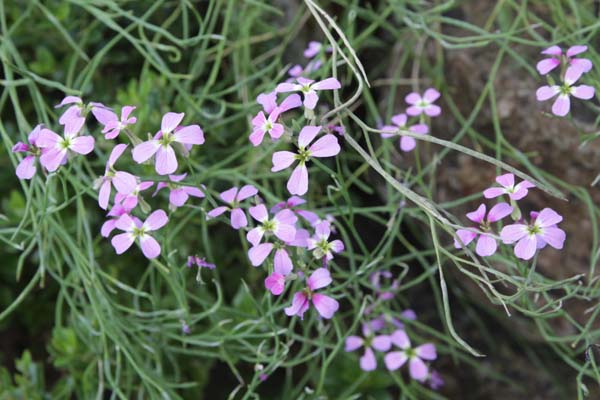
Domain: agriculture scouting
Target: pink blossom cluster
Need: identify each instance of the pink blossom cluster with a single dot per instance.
(571, 68)
(387, 334)
(54, 151)
(528, 236)
(415, 119)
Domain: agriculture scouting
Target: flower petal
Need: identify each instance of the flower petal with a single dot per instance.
(122, 242)
(307, 135)
(299, 305)
(418, 369)
(368, 362)
(499, 211)
(259, 253)
(191, 134)
(156, 220)
(26, 168)
(513, 233)
(525, 248)
(319, 279)
(325, 305)
(352, 343)
(238, 218)
(298, 182)
(394, 360)
(282, 263)
(150, 246)
(326, 146)
(282, 160)
(170, 121)
(145, 150)
(327, 84)
(486, 245)
(166, 161)
(82, 144)
(546, 92)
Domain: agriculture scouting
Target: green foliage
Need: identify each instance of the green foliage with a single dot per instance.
(111, 325)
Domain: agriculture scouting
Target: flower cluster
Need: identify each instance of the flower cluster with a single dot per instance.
(571, 69)
(529, 236)
(420, 109)
(387, 334)
(54, 150)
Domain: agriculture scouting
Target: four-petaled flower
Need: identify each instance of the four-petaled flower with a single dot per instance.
(486, 244)
(112, 124)
(26, 168)
(326, 146)
(541, 231)
(562, 104)
(136, 230)
(407, 143)
(325, 305)
(124, 182)
(507, 181)
(233, 197)
(309, 88)
(268, 124)
(320, 244)
(57, 148)
(282, 225)
(415, 356)
(381, 343)
(423, 104)
(275, 283)
(166, 161)
(556, 57)
(178, 193)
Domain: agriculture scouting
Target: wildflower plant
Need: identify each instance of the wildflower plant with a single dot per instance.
(214, 208)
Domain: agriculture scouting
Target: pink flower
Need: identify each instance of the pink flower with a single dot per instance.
(135, 230)
(72, 118)
(124, 182)
(233, 198)
(319, 243)
(282, 225)
(130, 201)
(309, 88)
(57, 148)
(486, 244)
(423, 104)
(507, 181)
(26, 168)
(557, 56)
(381, 343)
(262, 124)
(291, 204)
(275, 283)
(407, 143)
(326, 146)
(166, 161)
(109, 225)
(314, 48)
(297, 70)
(112, 124)
(542, 230)
(417, 367)
(325, 305)
(179, 194)
(562, 104)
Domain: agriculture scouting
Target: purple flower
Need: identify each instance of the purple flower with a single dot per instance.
(541, 231)
(166, 161)
(309, 88)
(325, 305)
(507, 181)
(326, 146)
(136, 230)
(26, 168)
(417, 367)
(407, 143)
(320, 244)
(435, 380)
(233, 197)
(297, 71)
(124, 182)
(423, 104)
(486, 244)
(314, 48)
(112, 124)
(562, 104)
(179, 193)
(200, 262)
(282, 225)
(57, 148)
(291, 204)
(381, 343)
(556, 57)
